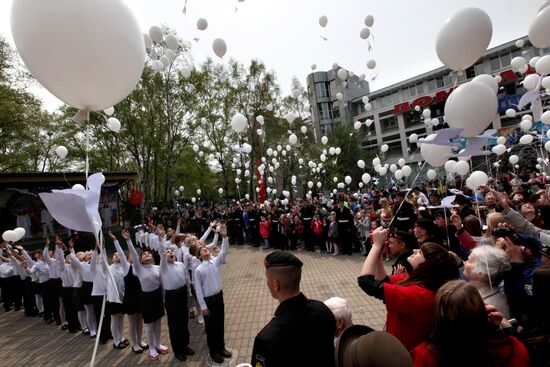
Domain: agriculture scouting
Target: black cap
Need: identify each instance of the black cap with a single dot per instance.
(282, 258)
(461, 199)
(440, 213)
(427, 225)
(404, 236)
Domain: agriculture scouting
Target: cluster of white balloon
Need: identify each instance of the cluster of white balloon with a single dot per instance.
(13, 235)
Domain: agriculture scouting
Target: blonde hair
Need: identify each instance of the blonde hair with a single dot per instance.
(493, 220)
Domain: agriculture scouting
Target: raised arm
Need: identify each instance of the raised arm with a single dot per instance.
(46, 253)
(178, 225)
(214, 241)
(207, 233)
(135, 257)
(373, 273)
(30, 261)
(225, 244)
(121, 255)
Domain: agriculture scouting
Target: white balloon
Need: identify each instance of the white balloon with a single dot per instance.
(383, 171)
(339, 96)
(301, 161)
(375, 161)
(478, 178)
(202, 24)
(259, 132)
(526, 124)
(342, 74)
(531, 82)
(19, 233)
(413, 138)
(323, 157)
(113, 124)
(181, 188)
(434, 121)
(384, 148)
(365, 99)
(335, 179)
(88, 53)
(313, 66)
(341, 185)
(220, 191)
(365, 33)
(393, 168)
(9, 236)
(488, 80)
(462, 168)
(156, 33)
(499, 149)
(310, 184)
(431, 174)
(324, 140)
(185, 72)
(368, 107)
(427, 113)
(293, 139)
(510, 112)
(520, 43)
(365, 178)
(220, 47)
(171, 42)
(547, 145)
(337, 151)
(61, 151)
(78, 187)
(109, 111)
(463, 38)
(501, 140)
(543, 65)
(546, 83)
(513, 159)
(526, 139)
(472, 107)
(398, 174)
(401, 162)
(323, 20)
(170, 54)
(303, 129)
(450, 166)
(539, 30)
(371, 64)
(357, 125)
(407, 170)
(518, 62)
(193, 200)
(427, 121)
(368, 122)
(369, 20)
(290, 117)
(524, 69)
(238, 123)
(148, 42)
(546, 118)
(177, 192)
(434, 153)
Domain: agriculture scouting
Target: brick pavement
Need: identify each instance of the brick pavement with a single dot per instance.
(248, 307)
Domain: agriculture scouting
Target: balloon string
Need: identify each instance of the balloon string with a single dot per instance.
(412, 184)
(87, 145)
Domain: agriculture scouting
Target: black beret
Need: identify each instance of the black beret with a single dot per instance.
(427, 225)
(282, 258)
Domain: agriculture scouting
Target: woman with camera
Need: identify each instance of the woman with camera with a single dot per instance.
(409, 298)
(467, 333)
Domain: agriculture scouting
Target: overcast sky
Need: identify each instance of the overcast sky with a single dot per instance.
(286, 35)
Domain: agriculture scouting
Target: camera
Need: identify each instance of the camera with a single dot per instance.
(505, 232)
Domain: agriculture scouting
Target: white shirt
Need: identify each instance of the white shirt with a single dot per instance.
(53, 263)
(82, 267)
(148, 275)
(207, 276)
(173, 275)
(6, 270)
(68, 276)
(153, 241)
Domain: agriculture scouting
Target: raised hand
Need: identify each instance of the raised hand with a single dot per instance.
(125, 234)
(111, 236)
(379, 236)
(456, 220)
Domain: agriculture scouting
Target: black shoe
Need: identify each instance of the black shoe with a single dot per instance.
(64, 327)
(181, 357)
(145, 346)
(216, 358)
(40, 314)
(189, 351)
(120, 345)
(126, 342)
(86, 331)
(137, 351)
(226, 353)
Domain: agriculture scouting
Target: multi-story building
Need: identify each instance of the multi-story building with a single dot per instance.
(394, 114)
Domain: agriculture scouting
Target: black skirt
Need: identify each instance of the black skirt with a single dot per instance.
(86, 293)
(132, 291)
(77, 302)
(152, 306)
(112, 308)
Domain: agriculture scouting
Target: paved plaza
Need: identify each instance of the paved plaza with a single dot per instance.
(248, 307)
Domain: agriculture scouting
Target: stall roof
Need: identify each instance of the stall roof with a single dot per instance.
(61, 179)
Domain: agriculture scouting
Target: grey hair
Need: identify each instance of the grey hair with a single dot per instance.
(341, 309)
(492, 262)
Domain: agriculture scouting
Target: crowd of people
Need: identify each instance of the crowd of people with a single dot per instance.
(467, 271)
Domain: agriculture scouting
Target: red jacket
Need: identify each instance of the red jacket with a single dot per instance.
(317, 227)
(265, 227)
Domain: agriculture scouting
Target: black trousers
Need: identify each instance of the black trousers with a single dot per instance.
(106, 326)
(71, 313)
(11, 292)
(345, 239)
(53, 292)
(29, 301)
(175, 302)
(308, 236)
(214, 323)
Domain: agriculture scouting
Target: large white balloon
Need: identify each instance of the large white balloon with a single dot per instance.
(293, 139)
(499, 149)
(324, 140)
(531, 82)
(463, 38)
(61, 151)
(384, 148)
(413, 138)
(109, 111)
(171, 42)
(376, 161)
(450, 166)
(518, 62)
(401, 162)
(513, 159)
(361, 163)
(303, 129)
(357, 125)
(369, 20)
(342, 74)
(113, 124)
(472, 107)
(478, 178)
(88, 53)
(462, 168)
(398, 174)
(19, 233)
(526, 139)
(393, 168)
(543, 65)
(323, 20)
(220, 47)
(290, 117)
(9, 236)
(434, 154)
(202, 24)
(347, 179)
(371, 64)
(155, 32)
(488, 80)
(238, 123)
(365, 178)
(365, 33)
(431, 174)
(407, 170)
(539, 30)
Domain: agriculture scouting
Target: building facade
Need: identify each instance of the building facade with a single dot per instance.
(394, 116)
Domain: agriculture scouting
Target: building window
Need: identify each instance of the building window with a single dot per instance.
(335, 113)
(322, 89)
(495, 64)
(405, 93)
(439, 82)
(323, 130)
(470, 72)
(389, 123)
(479, 69)
(505, 60)
(325, 111)
(419, 89)
(431, 85)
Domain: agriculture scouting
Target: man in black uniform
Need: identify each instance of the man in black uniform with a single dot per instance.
(235, 221)
(345, 222)
(254, 222)
(302, 330)
(403, 212)
(307, 214)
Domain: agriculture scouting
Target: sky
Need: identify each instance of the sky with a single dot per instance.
(287, 37)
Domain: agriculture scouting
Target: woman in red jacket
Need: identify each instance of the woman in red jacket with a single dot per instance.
(464, 334)
(409, 298)
(265, 228)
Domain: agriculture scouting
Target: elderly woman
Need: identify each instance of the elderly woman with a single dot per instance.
(342, 313)
(485, 269)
